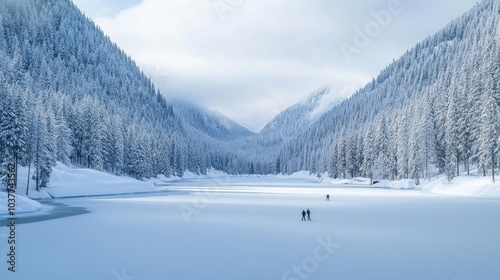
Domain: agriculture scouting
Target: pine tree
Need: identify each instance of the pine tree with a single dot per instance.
(44, 153)
(342, 155)
(13, 129)
(117, 146)
(332, 167)
(427, 128)
(466, 124)
(489, 130)
(351, 155)
(64, 139)
(369, 154)
(452, 134)
(440, 109)
(402, 140)
(360, 154)
(382, 152)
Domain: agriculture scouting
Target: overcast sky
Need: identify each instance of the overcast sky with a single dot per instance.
(250, 59)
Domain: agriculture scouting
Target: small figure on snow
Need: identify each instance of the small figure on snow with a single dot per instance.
(303, 215)
(328, 197)
(308, 214)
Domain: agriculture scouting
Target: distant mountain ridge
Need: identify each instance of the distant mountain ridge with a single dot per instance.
(302, 114)
(208, 122)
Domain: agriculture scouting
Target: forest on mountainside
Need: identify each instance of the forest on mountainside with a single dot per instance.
(435, 110)
(68, 94)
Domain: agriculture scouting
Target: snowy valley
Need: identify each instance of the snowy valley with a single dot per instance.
(433, 111)
(116, 179)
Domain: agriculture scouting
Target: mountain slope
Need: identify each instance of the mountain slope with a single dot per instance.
(210, 123)
(450, 71)
(299, 116)
(74, 96)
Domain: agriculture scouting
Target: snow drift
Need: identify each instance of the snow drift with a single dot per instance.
(477, 186)
(23, 204)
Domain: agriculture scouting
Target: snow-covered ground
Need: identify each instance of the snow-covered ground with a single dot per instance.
(22, 204)
(250, 228)
(354, 181)
(67, 182)
(473, 185)
(78, 182)
(465, 185)
(71, 182)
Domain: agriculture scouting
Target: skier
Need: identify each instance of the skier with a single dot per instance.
(303, 215)
(328, 197)
(308, 214)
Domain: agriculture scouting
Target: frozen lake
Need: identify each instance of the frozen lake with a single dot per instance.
(249, 228)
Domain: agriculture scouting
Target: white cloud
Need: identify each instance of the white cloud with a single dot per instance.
(99, 8)
(264, 55)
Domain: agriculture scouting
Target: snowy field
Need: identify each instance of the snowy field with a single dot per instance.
(250, 228)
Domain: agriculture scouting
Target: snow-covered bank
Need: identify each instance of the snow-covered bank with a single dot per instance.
(71, 182)
(22, 204)
(81, 182)
(354, 181)
(477, 186)
(396, 185)
(161, 180)
(68, 181)
(467, 185)
(383, 184)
